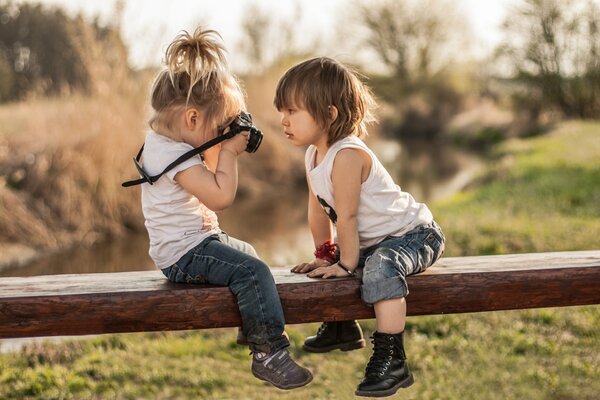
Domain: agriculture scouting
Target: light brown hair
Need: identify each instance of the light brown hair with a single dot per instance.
(196, 74)
(321, 82)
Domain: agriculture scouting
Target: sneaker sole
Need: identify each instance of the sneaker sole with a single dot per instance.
(348, 346)
(288, 387)
(385, 393)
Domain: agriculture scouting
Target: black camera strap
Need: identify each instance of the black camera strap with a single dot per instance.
(186, 156)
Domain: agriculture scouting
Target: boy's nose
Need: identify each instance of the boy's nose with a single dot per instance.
(284, 120)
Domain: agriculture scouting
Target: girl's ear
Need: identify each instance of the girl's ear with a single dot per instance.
(192, 117)
(333, 113)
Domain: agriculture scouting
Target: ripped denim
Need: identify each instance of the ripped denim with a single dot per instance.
(384, 267)
(225, 261)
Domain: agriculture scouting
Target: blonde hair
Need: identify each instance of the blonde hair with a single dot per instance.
(196, 74)
(321, 82)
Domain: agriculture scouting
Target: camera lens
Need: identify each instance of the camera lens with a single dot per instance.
(254, 139)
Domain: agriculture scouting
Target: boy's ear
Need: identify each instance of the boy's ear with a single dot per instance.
(333, 113)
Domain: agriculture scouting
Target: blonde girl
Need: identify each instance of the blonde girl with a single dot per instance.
(193, 99)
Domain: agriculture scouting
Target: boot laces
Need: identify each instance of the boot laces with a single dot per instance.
(383, 351)
(322, 329)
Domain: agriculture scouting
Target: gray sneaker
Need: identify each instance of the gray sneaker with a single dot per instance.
(280, 370)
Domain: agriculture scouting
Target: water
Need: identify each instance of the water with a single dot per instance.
(276, 226)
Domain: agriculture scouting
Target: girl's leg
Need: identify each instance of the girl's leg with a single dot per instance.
(251, 282)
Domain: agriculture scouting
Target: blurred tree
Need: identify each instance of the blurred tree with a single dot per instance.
(256, 24)
(49, 52)
(267, 42)
(417, 43)
(414, 40)
(552, 53)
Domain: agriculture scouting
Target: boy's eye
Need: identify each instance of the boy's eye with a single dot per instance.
(290, 110)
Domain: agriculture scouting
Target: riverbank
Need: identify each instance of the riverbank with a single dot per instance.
(540, 194)
(62, 161)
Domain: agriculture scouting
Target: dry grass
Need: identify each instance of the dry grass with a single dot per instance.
(62, 161)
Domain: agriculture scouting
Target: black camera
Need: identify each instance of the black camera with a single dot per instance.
(243, 122)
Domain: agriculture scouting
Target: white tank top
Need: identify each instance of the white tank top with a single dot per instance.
(384, 209)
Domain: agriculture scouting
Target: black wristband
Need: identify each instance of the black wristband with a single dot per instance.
(348, 270)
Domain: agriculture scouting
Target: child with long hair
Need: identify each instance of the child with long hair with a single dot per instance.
(383, 234)
(193, 99)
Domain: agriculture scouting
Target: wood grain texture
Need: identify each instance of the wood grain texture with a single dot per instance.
(146, 301)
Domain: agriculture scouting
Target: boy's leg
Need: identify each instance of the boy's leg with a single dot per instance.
(390, 315)
(384, 286)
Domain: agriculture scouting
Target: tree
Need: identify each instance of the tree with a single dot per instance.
(49, 52)
(552, 52)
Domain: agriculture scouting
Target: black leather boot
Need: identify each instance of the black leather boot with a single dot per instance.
(387, 370)
(343, 335)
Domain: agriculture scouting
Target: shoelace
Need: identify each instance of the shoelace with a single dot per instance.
(382, 354)
(322, 329)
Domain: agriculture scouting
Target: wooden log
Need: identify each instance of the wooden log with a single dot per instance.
(146, 301)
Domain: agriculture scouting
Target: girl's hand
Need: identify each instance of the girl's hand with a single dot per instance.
(236, 144)
(332, 271)
(307, 267)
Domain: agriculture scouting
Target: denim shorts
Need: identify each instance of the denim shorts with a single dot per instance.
(385, 266)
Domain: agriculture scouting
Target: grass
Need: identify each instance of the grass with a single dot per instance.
(541, 354)
(541, 194)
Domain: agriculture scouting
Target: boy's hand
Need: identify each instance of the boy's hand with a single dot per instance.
(331, 271)
(307, 267)
(236, 144)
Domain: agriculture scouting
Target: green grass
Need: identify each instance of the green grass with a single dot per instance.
(542, 194)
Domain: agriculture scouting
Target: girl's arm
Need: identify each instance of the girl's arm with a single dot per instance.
(211, 157)
(216, 189)
(350, 169)
(321, 229)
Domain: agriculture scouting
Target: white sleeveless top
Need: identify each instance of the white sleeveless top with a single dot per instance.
(175, 219)
(384, 209)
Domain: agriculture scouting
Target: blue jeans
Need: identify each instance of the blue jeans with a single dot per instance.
(225, 261)
(385, 266)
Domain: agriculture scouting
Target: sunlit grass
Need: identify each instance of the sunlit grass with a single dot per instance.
(534, 354)
(541, 194)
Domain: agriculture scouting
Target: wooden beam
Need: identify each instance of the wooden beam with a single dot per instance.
(146, 301)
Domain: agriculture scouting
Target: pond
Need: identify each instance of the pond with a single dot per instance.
(277, 227)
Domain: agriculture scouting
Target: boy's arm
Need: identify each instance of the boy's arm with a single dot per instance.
(318, 221)
(348, 170)
(321, 230)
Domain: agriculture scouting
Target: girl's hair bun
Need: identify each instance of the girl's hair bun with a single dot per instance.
(200, 55)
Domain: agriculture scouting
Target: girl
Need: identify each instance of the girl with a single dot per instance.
(193, 98)
(383, 234)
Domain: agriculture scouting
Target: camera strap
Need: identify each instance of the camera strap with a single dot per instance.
(195, 151)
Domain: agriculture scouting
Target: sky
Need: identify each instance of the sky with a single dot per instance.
(148, 27)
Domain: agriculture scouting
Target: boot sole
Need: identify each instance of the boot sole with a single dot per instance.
(349, 346)
(288, 387)
(408, 381)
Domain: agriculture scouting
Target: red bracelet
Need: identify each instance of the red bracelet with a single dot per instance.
(326, 251)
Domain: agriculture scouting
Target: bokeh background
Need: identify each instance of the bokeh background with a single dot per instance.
(488, 111)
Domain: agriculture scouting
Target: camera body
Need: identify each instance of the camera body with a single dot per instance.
(243, 122)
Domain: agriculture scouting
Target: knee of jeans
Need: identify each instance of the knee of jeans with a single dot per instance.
(257, 269)
(379, 266)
